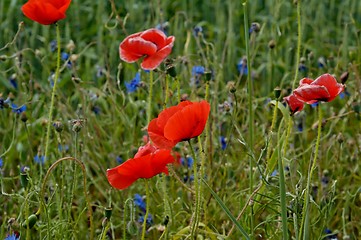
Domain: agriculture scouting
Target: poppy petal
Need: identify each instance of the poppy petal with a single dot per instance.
(294, 103)
(157, 136)
(117, 180)
(333, 87)
(151, 62)
(311, 93)
(160, 160)
(187, 123)
(155, 36)
(305, 81)
(144, 150)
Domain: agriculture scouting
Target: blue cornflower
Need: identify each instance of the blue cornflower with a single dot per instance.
(13, 82)
(255, 27)
(39, 159)
(51, 79)
(329, 234)
(119, 159)
(64, 56)
(302, 67)
(2, 103)
(313, 105)
(96, 110)
(197, 30)
(190, 178)
(187, 162)
(100, 71)
(53, 45)
(198, 70)
(149, 219)
(1, 163)
(17, 109)
(274, 173)
(242, 66)
(64, 148)
(12, 237)
(223, 142)
(300, 126)
(163, 27)
(139, 201)
(344, 94)
(321, 62)
(133, 85)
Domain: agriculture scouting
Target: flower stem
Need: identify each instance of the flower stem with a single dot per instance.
(147, 208)
(50, 118)
(298, 52)
(305, 212)
(149, 109)
(282, 186)
(197, 189)
(250, 109)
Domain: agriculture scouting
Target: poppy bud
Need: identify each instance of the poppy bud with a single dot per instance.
(208, 76)
(344, 77)
(108, 212)
(166, 220)
(58, 126)
(77, 127)
(272, 44)
(132, 227)
(70, 46)
(340, 138)
(104, 222)
(23, 117)
(30, 222)
(231, 86)
(256, 27)
(24, 179)
(3, 57)
(277, 92)
(170, 68)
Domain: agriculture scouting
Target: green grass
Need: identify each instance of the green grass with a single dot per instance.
(330, 30)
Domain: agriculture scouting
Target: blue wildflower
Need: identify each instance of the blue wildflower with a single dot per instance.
(96, 110)
(344, 94)
(39, 159)
(100, 71)
(198, 70)
(1, 163)
(197, 31)
(274, 173)
(51, 79)
(302, 67)
(223, 142)
(53, 45)
(139, 201)
(321, 62)
(64, 148)
(313, 105)
(12, 237)
(300, 126)
(242, 66)
(187, 162)
(119, 159)
(17, 109)
(133, 85)
(255, 27)
(64, 56)
(147, 71)
(149, 219)
(190, 178)
(329, 234)
(13, 81)
(163, 27)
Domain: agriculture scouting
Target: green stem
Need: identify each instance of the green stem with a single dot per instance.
(50, 118)
(197, 189)
(250, 109)
(178, 89)
(42, 190)
(271, 131)
(166, 92)
(147, 208)
(282, 186)
(305, 212)
(149, 110)
(298, 53)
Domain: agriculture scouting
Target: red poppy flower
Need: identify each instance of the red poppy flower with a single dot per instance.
(294, 103)
(45, 12)
(324, 88)
(152, 43)
(178, 123)
(144, 166)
